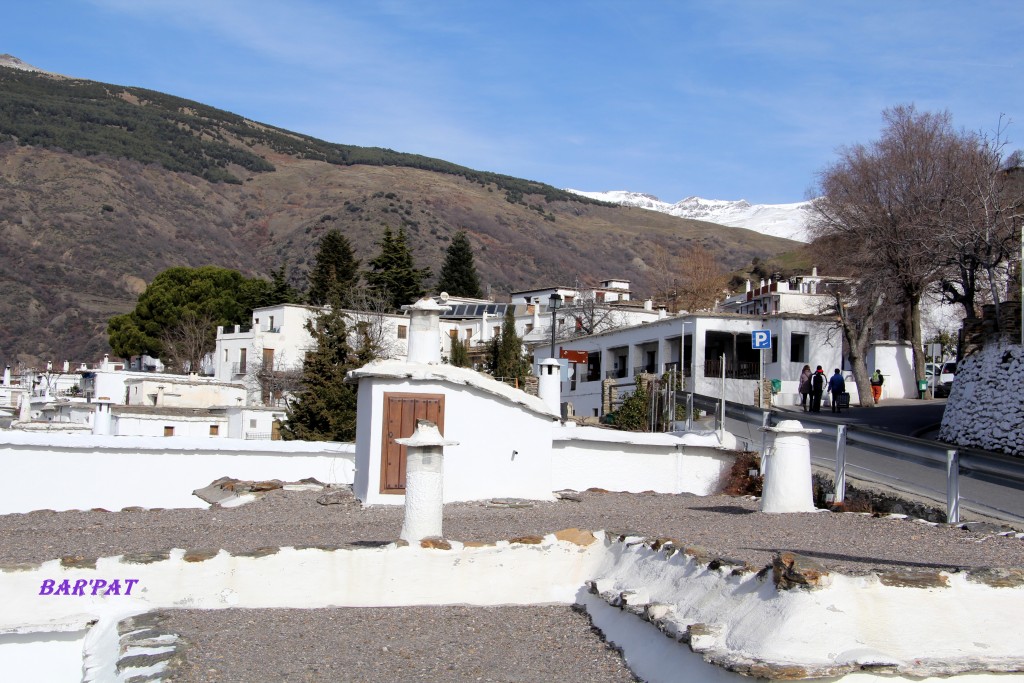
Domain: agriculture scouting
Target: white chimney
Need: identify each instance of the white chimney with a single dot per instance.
(748, 284)
(549, 384)
(101, 417)
(424, 482)
(648, 305)
(814, 271)
(787, 473)
(7, 376)
(425, 330)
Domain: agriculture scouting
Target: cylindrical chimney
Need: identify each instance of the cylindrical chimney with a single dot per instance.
(425, 331)
(549, 384)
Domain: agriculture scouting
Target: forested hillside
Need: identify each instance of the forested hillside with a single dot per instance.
(102, 187)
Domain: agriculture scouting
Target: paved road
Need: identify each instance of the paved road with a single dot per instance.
(908, 418)
(903, 416)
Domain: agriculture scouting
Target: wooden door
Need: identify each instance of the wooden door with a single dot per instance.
(400, 414)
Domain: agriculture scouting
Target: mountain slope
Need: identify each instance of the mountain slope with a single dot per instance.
(788, 221)
(102, 187)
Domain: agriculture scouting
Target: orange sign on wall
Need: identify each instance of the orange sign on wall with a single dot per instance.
(573, 356)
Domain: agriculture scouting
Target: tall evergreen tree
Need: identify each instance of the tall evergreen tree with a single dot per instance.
(282, 291)
(510, 361)
(336, 270)
(325, 407)
(460, 354)
(393, 273)
(458, 274)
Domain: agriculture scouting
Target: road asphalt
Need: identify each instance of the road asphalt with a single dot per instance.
(910, 417)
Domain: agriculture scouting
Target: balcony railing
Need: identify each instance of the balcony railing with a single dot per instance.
(239, 368)
(741, 370)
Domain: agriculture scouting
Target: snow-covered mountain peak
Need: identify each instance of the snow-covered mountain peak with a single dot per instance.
(12, 62)
(779, 220)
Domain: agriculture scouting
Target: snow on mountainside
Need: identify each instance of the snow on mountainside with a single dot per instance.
(12, 62)
(779, 220)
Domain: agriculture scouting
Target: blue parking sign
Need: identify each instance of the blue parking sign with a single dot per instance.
(761, 339)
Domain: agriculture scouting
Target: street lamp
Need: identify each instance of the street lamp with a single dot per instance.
(554, 303)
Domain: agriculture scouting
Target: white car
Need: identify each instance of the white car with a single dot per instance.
(945, 379)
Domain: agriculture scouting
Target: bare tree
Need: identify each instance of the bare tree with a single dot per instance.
(366, 314)
(587, 315)
(188, 341)
(856, 309)
(702, 280)
(883, 203)
(276, 382)
(981, 224)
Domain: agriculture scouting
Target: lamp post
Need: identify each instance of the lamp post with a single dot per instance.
(554, 303)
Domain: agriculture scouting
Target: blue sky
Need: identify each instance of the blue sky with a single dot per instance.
(725, 100)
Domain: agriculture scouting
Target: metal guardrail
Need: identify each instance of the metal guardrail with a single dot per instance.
(993, 468)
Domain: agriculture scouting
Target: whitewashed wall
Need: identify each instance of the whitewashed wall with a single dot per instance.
(896, 361)
(504, 448)
(153, 425)
(65, 472)
(586, 457)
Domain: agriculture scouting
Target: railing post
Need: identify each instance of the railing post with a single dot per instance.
(953, 486)
(765, 417)
(689, 411)
(840, 492)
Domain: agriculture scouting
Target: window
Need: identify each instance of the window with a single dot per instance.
(798, 348)
(241, 361)
(403, 331)
(252, 424)
(496, 330)
(271, 323)
(469, 334)
(214, 430)
(454, 334)
(168, 430)
(529, 328)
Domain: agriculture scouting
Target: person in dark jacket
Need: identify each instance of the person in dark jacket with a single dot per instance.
(817, 387)
(804, 386)
(836, 387)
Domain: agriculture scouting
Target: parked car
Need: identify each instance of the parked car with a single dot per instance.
(944, 382)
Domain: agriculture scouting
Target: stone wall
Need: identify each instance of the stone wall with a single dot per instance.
(986, 405)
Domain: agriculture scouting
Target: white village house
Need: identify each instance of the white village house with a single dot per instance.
(693, 345)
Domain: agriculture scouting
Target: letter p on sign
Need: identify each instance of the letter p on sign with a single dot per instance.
(761, 339)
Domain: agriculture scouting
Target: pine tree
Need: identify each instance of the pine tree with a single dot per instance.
(335, 272)
(325, 408)
(393, 273)
(282, 291)
(460, 354)
(458, 274)
(510, 360)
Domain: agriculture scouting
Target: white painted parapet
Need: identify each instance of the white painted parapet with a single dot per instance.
(787, 474)
(424, 482)
(549, 385)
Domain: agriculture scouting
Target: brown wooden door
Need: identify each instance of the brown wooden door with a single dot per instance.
(400, 414)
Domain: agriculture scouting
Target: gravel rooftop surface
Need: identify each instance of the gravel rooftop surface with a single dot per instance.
(382, 645)
(726, 526)
(463, 643)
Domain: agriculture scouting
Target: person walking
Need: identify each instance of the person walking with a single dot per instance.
(817, 387)
(804, 386)
(876, 385)
(836, 387)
